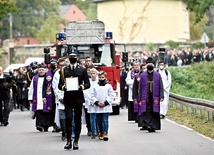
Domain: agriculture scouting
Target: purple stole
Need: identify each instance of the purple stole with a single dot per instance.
(135, 103)
(48, 86)
(155, 92)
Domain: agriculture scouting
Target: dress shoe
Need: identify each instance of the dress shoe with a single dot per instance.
(6, 123)
(162, 116)
(68, 145)
(39, 128)
(150, 129)
(45, 130)
(75, 145)
(143, 128)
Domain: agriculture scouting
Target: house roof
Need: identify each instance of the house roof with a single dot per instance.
(63, 9)
(72, 13)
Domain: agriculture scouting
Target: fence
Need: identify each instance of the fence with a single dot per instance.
(192, 104)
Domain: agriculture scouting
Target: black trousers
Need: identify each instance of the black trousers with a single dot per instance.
(124, 97)
(4, 110)
(77, 107)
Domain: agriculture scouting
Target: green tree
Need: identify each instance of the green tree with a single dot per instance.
(31, 18)
(51, 26)
(197, 29)
(199, 7)
(68, 2)
(6, 6)
(88, 8)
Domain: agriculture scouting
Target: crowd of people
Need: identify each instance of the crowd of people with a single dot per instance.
(58, 95)
(61, 93)
(145, 93)
(175, 57)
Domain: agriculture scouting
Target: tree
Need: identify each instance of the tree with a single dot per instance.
(31, 18)
(199, 7)
(6, 7)
(68, 2)
(51, 26)
(197, 29)
(88, 8)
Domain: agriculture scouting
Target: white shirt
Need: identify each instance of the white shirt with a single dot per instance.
(102, 94)
(167, 80)
(39, 92)
(59, 94)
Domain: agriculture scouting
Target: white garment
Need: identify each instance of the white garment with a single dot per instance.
(91, 107)
(102, 94)
(39, 92)
(130, 82)
(167, 81)
(56, 118)
(58, 93)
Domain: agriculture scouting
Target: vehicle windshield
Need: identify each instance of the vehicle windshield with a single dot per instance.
(100, 54)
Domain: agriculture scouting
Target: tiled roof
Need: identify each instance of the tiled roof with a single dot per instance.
(64, 9)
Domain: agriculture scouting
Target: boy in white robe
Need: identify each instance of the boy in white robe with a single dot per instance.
(102, 97)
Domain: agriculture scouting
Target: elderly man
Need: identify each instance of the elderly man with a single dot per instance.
(40, 96)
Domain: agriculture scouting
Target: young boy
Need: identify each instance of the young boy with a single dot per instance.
(102, 97)
(91, 107)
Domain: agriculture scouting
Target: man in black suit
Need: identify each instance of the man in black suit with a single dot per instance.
(73, 98)
(5, 86)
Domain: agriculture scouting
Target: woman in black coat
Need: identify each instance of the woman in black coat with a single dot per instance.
(21, 83)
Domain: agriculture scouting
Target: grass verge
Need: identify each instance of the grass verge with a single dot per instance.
(193, 121)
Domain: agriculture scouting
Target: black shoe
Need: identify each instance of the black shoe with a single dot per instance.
(63, 137)
(150, 129)
(6, 123)
(162, 116)
(75, 145)
(39, 128)
(45, 130)
(143, 128)
(68, 145)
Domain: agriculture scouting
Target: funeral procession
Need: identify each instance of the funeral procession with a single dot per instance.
(110, 77)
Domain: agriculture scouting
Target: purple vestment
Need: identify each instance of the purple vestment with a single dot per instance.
(48, 93)
(135, 103)
(155, 91)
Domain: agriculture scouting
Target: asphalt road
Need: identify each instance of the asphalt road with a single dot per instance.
(21, 138)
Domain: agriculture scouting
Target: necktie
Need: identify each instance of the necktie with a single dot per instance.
(73, 67)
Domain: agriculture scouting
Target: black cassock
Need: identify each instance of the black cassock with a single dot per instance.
(151, 118)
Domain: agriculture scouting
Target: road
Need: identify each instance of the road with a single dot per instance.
(21, 138)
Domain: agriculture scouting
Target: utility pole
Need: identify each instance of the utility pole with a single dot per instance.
(11, 26)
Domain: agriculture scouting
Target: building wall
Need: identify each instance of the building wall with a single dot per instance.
(144, 21)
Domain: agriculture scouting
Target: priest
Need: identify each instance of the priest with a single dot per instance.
(40, 97)
(151, 94)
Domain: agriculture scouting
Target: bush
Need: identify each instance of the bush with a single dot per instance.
(196, 81)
